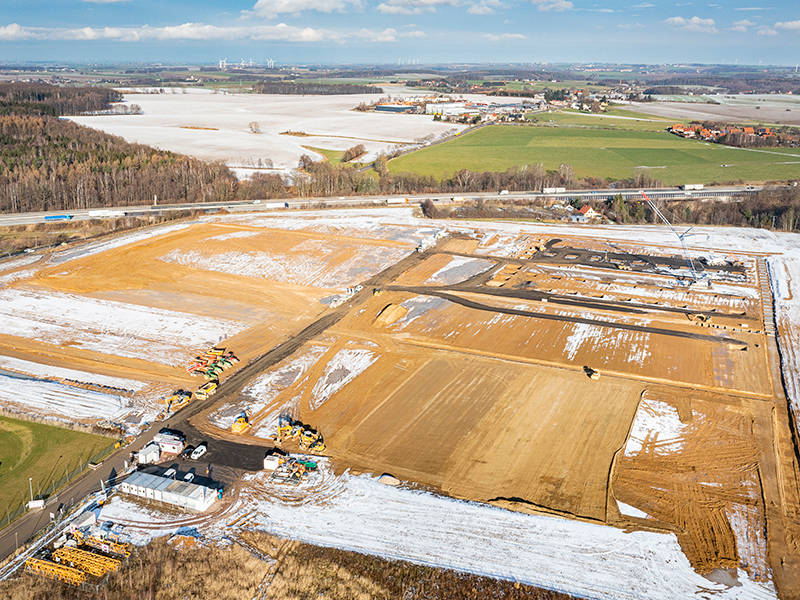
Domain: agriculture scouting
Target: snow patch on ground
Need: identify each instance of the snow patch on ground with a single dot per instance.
(48, 371)
(345, 366)
(305, 269)
(109, 327)
(263, 390)
(582, 333)
(92, 248)
(51, 398)
(460, 268)
(785, 280)
(631, 511)
(656, 423)
(578, 558)
(235, 235)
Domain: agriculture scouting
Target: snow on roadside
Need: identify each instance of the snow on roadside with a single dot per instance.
(114, 328)
(342, 368)
(656, 423)
(582, 333)
(48, 398)
(460, 268)
(579, 558)
(47, 371)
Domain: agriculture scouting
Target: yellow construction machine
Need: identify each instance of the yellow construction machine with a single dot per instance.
(55, 571)
(241, 424)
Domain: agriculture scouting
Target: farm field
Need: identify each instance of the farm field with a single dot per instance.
(42, 452)
(744, 108)
(216, 126)
(617, 153)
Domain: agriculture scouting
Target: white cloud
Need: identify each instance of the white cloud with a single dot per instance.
(273, 8)
(767, 31)
(485, 7)
(412, 7)
(695, 24)
(788, 25)
(499, 37)
(557, 5)
(742, 25)
(644, 5)
(200, 31)
(14, 32)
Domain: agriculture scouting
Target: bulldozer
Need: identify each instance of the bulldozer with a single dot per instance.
(241, 424)
(699, 317)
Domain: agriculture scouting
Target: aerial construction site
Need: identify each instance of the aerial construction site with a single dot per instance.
(599, 411)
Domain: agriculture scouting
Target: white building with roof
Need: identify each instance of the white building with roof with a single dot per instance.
(170, 491)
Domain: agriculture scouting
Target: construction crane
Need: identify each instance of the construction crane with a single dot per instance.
(680, 236)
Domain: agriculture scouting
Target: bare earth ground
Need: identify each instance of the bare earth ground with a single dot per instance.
(466, 374)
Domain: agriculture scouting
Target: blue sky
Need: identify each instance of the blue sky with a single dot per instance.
(385, 31)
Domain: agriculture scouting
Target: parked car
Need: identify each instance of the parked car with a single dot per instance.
(189, 477)
(199, 451)
(170, 473)
(187, 452)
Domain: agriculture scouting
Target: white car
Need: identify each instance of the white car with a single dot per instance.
(189, 477)
(170, 473)
(199, 451)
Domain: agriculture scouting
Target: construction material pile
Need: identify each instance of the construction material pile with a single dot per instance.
(211, 363)
(292, 469)
(83, 559)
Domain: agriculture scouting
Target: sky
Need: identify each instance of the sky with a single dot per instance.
(401, 31)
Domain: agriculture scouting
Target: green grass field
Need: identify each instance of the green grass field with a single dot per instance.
(42, 452)
(600, 147)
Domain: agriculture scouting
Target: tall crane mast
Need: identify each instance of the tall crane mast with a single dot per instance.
(680, 237)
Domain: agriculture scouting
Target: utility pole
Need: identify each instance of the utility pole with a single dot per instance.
(30, 484)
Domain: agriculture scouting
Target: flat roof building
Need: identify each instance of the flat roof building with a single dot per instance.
(163, 489)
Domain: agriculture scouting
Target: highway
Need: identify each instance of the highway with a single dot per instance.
(722, 193)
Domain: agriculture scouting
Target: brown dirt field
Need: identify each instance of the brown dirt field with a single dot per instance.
(648, 356)
(706, 481)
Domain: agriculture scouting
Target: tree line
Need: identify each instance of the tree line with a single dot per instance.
(769, 209)
(316, 89)
(44, 99)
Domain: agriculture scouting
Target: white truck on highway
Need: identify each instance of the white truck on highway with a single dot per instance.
(554, 190)
(691, 186)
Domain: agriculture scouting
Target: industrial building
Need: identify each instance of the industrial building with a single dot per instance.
(163, 489)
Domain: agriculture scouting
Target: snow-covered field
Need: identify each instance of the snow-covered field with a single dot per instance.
(52, 398)
(360, 514)
(116, 328)
(170, 122)
(91, 248)
(47, 371)
(310, 268)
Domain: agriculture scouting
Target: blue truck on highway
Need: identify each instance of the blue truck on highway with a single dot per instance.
(58, 217)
